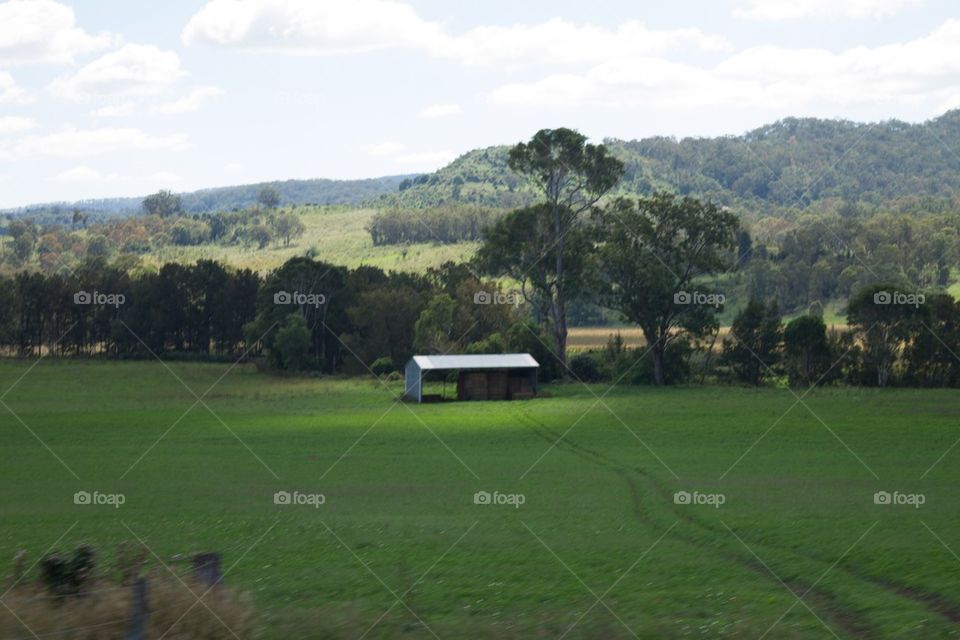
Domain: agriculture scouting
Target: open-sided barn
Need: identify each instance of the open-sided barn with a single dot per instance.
(507, 376)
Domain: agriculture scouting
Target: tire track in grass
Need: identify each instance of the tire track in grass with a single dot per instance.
(932, 601)
(851, 622)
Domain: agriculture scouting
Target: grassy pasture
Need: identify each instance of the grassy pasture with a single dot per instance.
(598, 519)
(338, 235)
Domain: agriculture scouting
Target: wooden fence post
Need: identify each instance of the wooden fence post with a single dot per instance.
(140, 611)
(206, 568)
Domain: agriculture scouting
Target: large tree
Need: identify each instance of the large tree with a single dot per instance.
(268, 197)
(807, 350)
(753, 347)
(571, 175)
(163, 203)
(886, 322)
(654, 252)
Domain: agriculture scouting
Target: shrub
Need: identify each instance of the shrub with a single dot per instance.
(584, 367)
(293, 343)
(382, 366)
(676, 367)
(491, 344)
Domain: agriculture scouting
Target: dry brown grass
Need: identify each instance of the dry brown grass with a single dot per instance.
(104, 612)
(588, 338)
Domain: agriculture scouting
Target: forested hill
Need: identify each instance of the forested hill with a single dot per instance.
(793, 163)
(317, 191)
(796, 162)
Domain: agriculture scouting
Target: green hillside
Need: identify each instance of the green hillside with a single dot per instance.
(792, 163)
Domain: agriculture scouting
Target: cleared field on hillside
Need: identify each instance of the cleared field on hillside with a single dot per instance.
(334, 234)
(599, 517)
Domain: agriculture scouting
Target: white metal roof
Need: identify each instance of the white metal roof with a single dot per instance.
(482, 361)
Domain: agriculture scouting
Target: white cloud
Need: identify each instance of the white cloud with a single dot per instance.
(919, 71)
(43, 31)
(132, 70)
(116, 109)
(426, 159)
(310, 26)
(441, 111)
(165, 177)
(334, 26)
(85, 175)
(10, 91)
(775, 10)
(562, 42)
(74, 143)
(190, 102)
(386, 148)
(15, 124)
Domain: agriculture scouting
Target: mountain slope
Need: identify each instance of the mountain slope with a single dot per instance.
(796, 162)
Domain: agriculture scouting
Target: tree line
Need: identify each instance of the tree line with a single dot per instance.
(306, 315)
(311, 315)
(439, 225)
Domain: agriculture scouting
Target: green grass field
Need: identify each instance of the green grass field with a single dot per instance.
(598, 520)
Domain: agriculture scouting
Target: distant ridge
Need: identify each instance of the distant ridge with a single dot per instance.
(314, 191)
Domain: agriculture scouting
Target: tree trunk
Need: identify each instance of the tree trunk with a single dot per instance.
(560, 332)
(560, 305)
(657, 352)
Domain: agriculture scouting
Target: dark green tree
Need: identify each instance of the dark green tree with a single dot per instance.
(163, 203)
(571, 175)
(289, 227)
(268, 197)
(752, 349)
(884, 327)
(522, 245)
(293, 344)
(652, 253)
(806, 350)
(434, 329)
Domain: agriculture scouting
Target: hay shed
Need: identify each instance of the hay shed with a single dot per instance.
(503, 376)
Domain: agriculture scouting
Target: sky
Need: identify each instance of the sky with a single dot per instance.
(103, 98)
